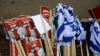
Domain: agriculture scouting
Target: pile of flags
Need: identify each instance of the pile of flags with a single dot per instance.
(44, 34)
(67, 25)
(64, 24)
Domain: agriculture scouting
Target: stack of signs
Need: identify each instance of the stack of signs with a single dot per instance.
(13, 29)
(25, 32)
(35, 48)
(22, 33)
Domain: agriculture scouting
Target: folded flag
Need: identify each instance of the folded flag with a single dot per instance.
(94, 36)
(81, 33)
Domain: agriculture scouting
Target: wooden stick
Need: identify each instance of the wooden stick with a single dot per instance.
(51, 24)
(53, 12)
(48, 40)
(81, 50)
(74, 48)
(21, 47)
(87, 50)
(66, 51)
(18, 48)
(46, 46)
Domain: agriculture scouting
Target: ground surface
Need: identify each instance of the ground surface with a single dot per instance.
(11, 8)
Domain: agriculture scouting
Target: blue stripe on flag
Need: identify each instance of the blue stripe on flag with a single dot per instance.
(60, 30)
(96, 30)
(95, 47)
(68, 23)
(97, 42)
(68, 39)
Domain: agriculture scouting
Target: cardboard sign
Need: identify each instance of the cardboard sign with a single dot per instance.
(35, 48)
(5, 29)
(39, 25)
(11, 27)
(21, 30)
(15, 32)
(44, 10)
(24, 20)
(29, 26)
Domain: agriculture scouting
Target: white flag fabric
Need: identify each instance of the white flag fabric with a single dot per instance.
(39, 25)
(94, 37)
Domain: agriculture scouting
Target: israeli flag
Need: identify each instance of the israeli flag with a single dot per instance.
(66, 29)
(69, 34)
(94, 37)
(59, 26)
(59, 23)
(81, 33)
(70, 27)
(60, 29)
